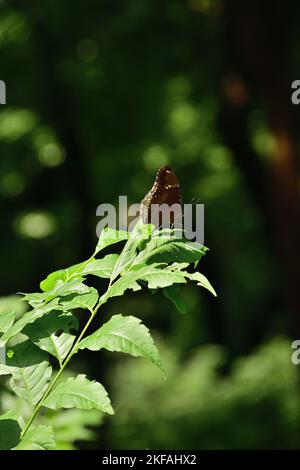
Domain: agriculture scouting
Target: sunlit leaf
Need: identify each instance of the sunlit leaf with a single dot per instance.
(101, 267)
(202, 281)
(86, 301)
(109, 236)
(28, 317)
(61, 289)
(123, 334)
(140, 233)
(128, 281)
(169, 250)
(79, 392)
(159, 278)
(30, 371)
(37, 438)
(6, 321)
(98, 267)
(156, 276)
(62, 275)
(43, 333)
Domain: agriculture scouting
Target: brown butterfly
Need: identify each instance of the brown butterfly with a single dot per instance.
(165, 190)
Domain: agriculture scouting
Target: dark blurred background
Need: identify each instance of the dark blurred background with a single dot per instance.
(99, 95)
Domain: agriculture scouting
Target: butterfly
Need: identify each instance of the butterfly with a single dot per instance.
(165, 190)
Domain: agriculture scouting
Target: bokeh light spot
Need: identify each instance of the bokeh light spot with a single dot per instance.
(261, 138)
(218, 157)
(155, 156)
(50, 152)
(263, 142)
(14, 28)
(51, 155)
(183, 118)
(36, 224)
(15, 123)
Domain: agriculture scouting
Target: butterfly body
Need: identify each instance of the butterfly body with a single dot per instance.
(165, 190)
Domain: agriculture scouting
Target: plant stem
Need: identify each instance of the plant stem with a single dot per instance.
(65, 363)
(67, 360)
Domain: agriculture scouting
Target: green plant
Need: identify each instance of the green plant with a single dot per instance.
(204, 407)
(70, 427)
(156, 258)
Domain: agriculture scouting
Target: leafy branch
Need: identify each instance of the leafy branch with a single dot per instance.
(155, 258)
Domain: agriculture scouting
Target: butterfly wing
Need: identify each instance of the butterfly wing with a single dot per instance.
(165, 190)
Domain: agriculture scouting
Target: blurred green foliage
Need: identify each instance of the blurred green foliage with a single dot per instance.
(200, 406)
(100, 94)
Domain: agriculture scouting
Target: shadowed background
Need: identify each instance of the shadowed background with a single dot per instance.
(99, 95)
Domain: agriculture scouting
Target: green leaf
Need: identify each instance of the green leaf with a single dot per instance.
(158, 278)
(79, 393)
(153, 274)
(124, 334)
(173, 294)
(101, 267)
(202, 281)
(51, 280)
(62, 276)
(127, 281)
(85, 301)
(30, 371)
(98, 267)
(140, 233)
(28, 317)
(175, 274)
(43, 333)
(162, 249)
(10, 415)
(61, 289)
(144, 255)
(10, 431)
(37, 438)
(110, 236)
(6, 321)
